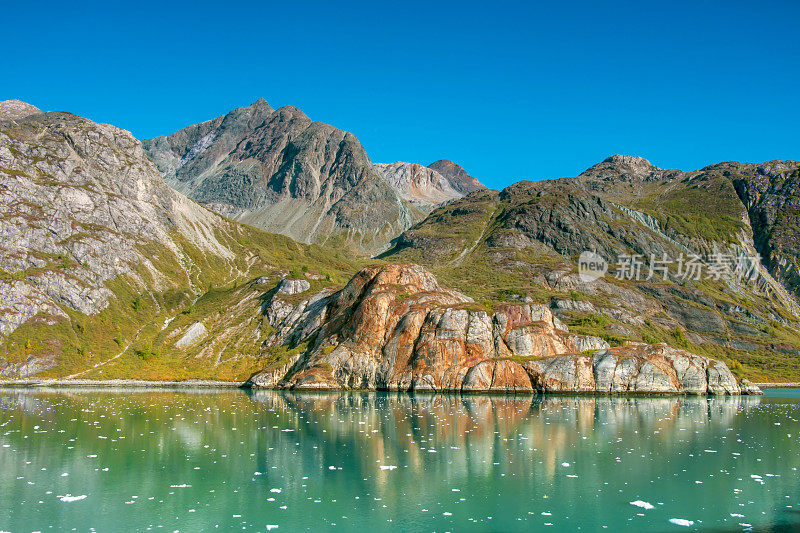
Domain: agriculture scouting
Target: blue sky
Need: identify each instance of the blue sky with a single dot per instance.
(509, 90)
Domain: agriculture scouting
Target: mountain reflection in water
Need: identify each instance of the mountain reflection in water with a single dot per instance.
(198, 459)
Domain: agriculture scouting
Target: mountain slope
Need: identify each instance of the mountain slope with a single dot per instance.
(280, 171)
(525, 242)
(97, 252)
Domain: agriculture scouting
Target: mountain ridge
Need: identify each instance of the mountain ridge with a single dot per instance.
(280, 171)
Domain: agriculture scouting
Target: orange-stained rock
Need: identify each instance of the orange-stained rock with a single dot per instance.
(394, 327)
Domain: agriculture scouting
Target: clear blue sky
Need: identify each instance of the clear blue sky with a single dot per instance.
(509, 90)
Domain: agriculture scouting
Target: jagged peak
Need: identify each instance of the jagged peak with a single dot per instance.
(16, 109)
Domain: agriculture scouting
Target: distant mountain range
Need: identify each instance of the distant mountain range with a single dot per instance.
(235, 249)
(282, 172)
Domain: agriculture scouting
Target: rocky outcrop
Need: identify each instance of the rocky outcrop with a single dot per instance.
(194, 334)
(280, 171)
(395, 328)
(293, 286)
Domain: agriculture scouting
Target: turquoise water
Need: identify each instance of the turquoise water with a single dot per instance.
(234, 460)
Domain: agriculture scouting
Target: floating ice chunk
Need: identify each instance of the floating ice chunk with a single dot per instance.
(681, 522)
(388, 467)
(564, 464)
(331, 468)
(275, 490)
(70, 498)
(181, 486)
(270, 527)
(736, 515)
(643, 504)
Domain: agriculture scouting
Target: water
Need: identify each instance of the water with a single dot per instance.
(198, 461)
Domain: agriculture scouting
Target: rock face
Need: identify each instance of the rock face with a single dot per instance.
(457, 177)
(395, 328)
(293, 286)
(280, 171)
(194, 334)
(771, 193)
(420, 185)
(427, 187)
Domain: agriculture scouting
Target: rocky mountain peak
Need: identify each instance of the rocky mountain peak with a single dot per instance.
(16, 109)
(457, 176)
(281, 171)
(420, 185)
(624, 168)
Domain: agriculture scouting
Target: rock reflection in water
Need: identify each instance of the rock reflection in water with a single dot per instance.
(193, 460)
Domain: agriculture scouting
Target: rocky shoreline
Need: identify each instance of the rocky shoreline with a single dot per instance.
(393, 327)
(123, 384)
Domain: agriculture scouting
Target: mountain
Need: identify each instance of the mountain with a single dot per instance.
(457, 177)
(426, 187)
(280, 171)
(741, 220)
(107, 272)
(98, 256)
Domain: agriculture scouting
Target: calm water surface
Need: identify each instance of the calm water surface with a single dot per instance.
(197, 461)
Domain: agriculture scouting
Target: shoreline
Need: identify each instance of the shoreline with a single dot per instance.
(138, 383)
(212, 384)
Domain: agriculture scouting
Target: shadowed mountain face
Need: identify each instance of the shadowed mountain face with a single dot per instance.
(278, 170)
(524, 242)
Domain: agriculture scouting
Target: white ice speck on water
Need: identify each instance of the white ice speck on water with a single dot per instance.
(643, 505)
(388, 467)
(181, 486)
(70, 498)
(681, 522)
(275, 490)
(564, 464)
(270, 527)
